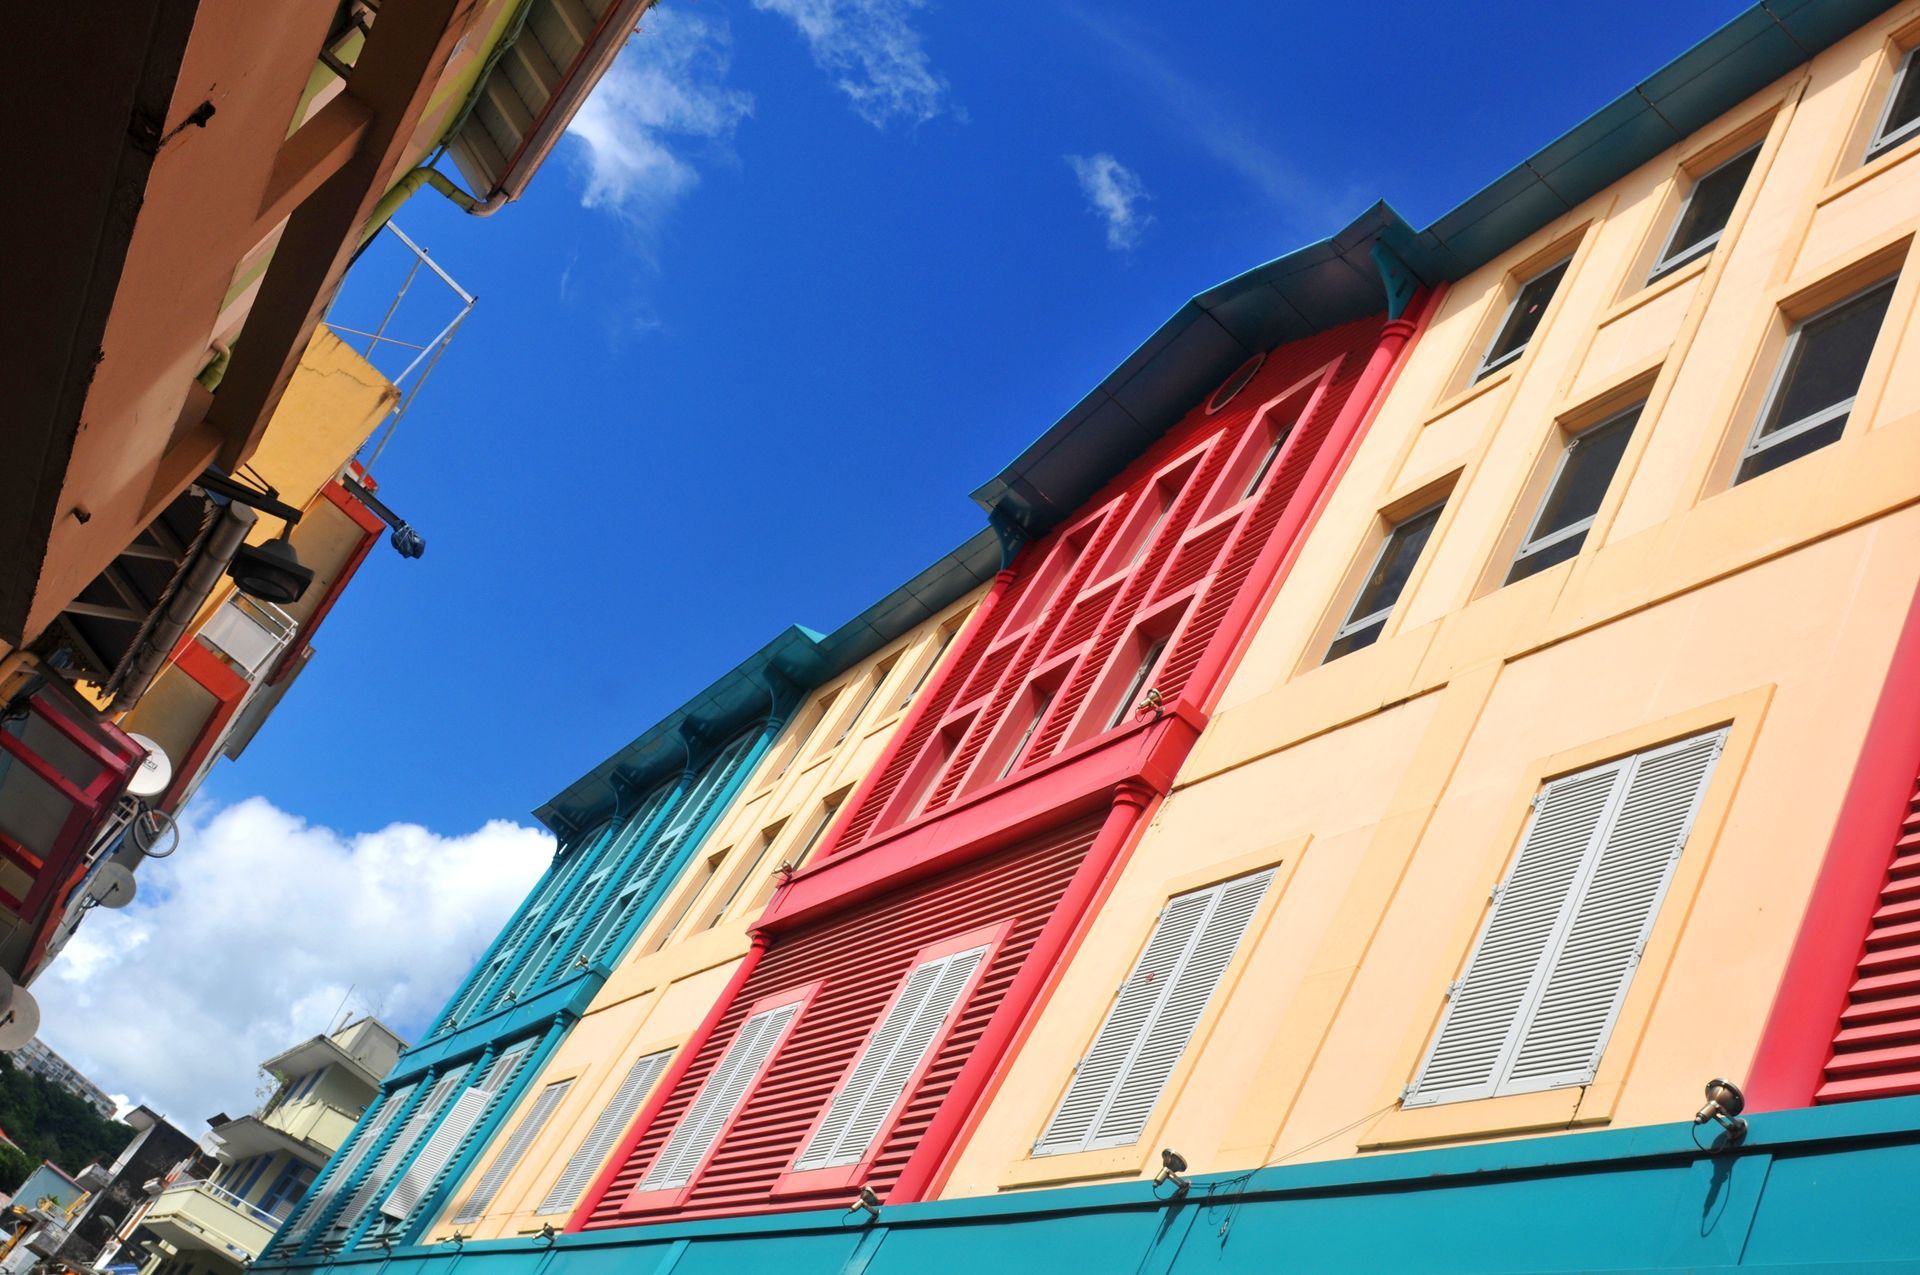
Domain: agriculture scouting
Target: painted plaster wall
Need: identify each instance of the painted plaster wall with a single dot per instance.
(1390, 786)
(676, 968)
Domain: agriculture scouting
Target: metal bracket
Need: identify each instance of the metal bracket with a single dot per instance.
(1012, 537)
(1395, 276)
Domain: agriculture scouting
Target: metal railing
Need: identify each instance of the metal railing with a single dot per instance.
(252, 1211)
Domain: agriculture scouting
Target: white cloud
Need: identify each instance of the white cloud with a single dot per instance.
(1115, 193)
(247, 939)
(873, 54)
(664, 95)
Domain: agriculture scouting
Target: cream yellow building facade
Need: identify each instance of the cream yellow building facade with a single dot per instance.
(1389, 788)
(575, 1112)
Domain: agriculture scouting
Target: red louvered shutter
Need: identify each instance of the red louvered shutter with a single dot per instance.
(1876, 1052)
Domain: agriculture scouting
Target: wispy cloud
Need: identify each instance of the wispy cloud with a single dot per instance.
(664, 98)
(1114, 192)
(251, 936)
(873, 54)
(1218, 130)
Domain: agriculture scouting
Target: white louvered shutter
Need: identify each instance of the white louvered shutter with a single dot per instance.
(1117, 1083)
(609, 1125)
(718, 1098)
(317, 1204)
(451, 1134)
(411, 1131)
(481, 1197)
(898, 1047)
(1178, 1013)
(1556, 953)
(1590, 971)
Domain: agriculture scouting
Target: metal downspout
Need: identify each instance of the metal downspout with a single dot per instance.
(202, 576)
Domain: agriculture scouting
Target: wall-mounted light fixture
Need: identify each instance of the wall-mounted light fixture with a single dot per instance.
(1725, 1102)
(1172, 1166)
(866, 1202)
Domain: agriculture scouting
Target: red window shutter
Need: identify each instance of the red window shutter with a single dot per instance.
(1876, 1053)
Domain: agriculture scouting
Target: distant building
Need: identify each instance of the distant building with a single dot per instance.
(36, 1057)
(213, 1215)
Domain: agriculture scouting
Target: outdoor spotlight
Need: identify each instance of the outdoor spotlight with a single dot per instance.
(459, 1241)
(1725, 1102)
(270, 572)
(1151, 702)
(547, 1235)
(1172, 1165)
(866, 1202)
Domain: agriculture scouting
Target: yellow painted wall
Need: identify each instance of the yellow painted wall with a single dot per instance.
(677, 966)
(1391, 786)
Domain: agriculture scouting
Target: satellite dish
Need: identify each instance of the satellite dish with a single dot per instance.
(111, 886)
(155, 771)
(20, 1021)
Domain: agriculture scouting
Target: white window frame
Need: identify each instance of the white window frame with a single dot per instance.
(1354, 623)
(1211, 898)
(1499, 1082)
(1488, 364)
(1758, 443)
(1533, 542)
(873, 1072)
(1882, 140)
(1673, 256)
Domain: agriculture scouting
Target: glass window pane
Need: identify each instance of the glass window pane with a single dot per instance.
(1528, 564)
(1383, 585)
(1771, 458)
(1524, 318)
(1708, 207)
(1591, 459)
(1827, 359)
(1904, 111)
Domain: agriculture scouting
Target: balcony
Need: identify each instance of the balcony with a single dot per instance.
(249, 632)
(198, 1215)
(309, 1129)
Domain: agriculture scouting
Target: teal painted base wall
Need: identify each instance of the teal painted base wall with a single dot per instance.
(1834, 1188)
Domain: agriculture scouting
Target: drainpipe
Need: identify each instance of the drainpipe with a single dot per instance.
(1791, 1059)
(1043, 965)
(404, 189)
(682, 1063)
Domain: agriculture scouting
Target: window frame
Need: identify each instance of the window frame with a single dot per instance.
(1531, 542)
(1756, 443)
(1357, 585)
(1669, 259)
(1488, 363)
(1879, 142)
(643, 1200)
(829, 1177)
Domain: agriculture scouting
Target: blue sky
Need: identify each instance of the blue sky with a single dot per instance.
(804, 274)
(753, 383)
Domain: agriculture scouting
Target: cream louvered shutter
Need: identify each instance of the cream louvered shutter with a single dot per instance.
(719, 1098)
(1556, 953)
(1116, 1085)
(1588, 977)
(608, 1126)
(897, 1049)
(481, 1197)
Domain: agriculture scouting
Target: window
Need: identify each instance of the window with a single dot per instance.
(1266, 463)
(1118, 1083)
(348, 1163)
(1552, 963)
(893, 1056)
(939, 649)
(286, 1190)
(722, 1094)
(874, 684)
(609, 1125)
(690, 893)
(1901, 119)
(1040, 707)
(1384, 583)
(828, 808)
(1704, 215)
(1580, 480)
(1234, 383)
(1523, 318)
(450, 1134)
(1131, 696)
(1819, 375)
(418, 1121)
(253, 1168)
(748, 870)
(475, 1206)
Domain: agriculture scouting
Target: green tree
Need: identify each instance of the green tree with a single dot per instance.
(48, 1123)
(15, 1165)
